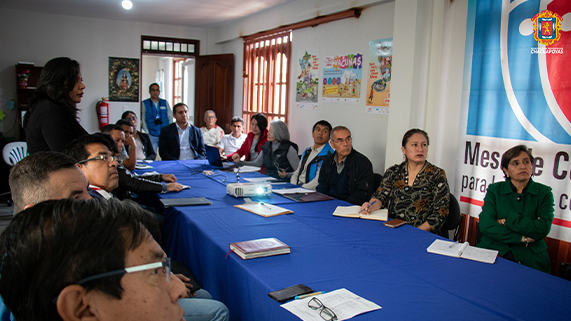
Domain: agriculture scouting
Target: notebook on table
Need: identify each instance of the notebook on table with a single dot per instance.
(187, 201)
(354, 212)
(259, 248)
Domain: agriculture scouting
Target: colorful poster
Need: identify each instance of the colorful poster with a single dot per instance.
(307, 81)
(342, 78)
(379, 80)
(518, 94)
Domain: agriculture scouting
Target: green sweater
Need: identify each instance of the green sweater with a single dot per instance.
(528, 214)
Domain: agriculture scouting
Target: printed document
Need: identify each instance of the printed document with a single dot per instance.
(344, 303)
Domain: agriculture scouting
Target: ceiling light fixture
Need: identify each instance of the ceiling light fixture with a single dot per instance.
(127, 4)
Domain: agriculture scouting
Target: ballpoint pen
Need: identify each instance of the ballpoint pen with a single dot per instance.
(261, 203)
(298, 297)
(451, 245)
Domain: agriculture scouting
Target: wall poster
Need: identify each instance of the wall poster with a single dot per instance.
(379, 80)
(307, 81)
(123, 79)
(342, 78)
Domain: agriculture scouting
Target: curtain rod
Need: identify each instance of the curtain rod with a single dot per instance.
(351, 13)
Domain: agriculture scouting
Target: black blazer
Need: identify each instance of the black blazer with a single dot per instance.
(359, 174)
(148, 147)
(169, 146)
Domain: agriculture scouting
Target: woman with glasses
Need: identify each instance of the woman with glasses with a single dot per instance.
(415, 190)
(51, 121)
(279, 154)
(517, 213)
(145, 149)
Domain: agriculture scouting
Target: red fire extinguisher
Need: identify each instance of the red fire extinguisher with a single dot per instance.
(102, 110)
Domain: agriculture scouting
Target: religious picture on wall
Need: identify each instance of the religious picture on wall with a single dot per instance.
(342, 78)
(123, 79)
(379, 80)
(307, 81)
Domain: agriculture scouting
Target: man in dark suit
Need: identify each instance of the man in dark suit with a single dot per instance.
(181, 140)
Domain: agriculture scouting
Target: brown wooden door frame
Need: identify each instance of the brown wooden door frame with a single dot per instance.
(214, 89)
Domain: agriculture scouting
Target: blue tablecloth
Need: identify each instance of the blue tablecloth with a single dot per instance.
(390, 267)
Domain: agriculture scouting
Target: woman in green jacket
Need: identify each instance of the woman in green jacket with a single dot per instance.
(517, 213)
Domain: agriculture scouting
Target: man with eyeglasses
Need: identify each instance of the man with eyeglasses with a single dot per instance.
(94, 259)
(346, 174)
(155, 114)
(95, 156)
(130, 182)
(211, 133)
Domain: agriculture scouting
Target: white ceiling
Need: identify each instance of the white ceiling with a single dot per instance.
(192, 13)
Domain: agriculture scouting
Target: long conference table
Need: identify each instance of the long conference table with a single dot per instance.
(390, 267)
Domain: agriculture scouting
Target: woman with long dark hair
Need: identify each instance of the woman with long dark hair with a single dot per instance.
(51, 121)
(256, 138)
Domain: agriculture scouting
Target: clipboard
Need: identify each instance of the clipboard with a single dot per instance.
(262, 209)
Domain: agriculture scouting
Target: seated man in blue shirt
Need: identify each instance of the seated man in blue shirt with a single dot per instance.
(307, 173)
(346, 174)
(181, 140)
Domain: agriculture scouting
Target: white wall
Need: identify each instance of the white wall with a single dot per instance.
(426, 86)
(34, 37)
(336, 38)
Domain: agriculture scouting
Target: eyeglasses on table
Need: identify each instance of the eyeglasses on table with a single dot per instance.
(324, 312)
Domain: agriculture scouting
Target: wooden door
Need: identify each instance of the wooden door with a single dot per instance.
(214, 89)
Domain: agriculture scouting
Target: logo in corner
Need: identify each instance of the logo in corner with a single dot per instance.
(546, 27)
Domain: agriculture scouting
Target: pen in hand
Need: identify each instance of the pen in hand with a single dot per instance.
(368, 207)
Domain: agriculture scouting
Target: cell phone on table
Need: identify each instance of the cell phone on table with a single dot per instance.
(290, 292)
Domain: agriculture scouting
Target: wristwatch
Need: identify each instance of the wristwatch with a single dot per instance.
(165, 187)
(526, 241)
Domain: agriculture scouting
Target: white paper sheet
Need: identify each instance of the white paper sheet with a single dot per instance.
(343, 302)
(247, 169)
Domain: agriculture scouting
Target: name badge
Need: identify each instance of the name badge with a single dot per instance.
(163, 107)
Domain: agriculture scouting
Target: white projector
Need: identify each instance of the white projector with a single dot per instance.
(248, 189)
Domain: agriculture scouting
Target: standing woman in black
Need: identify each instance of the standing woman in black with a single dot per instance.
(51, 121)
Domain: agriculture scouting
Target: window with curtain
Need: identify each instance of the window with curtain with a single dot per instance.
(266, 77)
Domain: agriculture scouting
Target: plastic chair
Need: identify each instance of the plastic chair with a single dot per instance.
(453, 220)
(14, 152)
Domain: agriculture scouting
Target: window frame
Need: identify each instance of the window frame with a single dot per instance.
(264, 88)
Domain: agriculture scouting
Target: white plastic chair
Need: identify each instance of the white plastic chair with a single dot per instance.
(14, 152)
